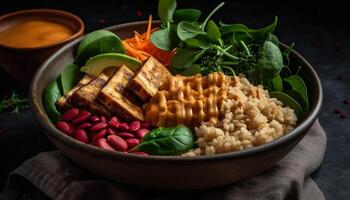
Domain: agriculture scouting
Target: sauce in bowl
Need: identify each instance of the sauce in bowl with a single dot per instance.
(34, 33)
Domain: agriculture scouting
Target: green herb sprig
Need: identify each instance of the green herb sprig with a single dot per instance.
(14, 103)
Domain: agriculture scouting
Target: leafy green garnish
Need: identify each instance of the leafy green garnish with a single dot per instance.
(167, 141)
(14, 103)
(51, 94)
(270, 63)
(297, 84)
(288, 101)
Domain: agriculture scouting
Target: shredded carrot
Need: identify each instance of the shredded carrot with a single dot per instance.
(141, 47)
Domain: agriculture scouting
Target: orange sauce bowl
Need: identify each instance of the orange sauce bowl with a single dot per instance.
(29, 37)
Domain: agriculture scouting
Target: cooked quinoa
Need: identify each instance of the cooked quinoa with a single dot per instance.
(250, 118)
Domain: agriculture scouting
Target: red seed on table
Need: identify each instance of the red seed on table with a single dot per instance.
(340, 77)
(125, 135)
(132, 142)
(98, 135)
(114, 124)
(84, 125)
(81, 135)
(114, 119)
(342, 115)
(102, 142)
(98, 126)
(135, 125)
(142, 132)
(70, 114)
(64, 127)
(94, 119)
(139, 13)
(146, 125)
(140, 153)
(83, 116)
(345, 101)
(117, 143)
(101, 21)
(111, 131)
(123, 126)
(337, 111)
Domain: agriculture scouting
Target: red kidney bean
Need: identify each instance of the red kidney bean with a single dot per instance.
(114, 124)
(135, 125)
(98, 126)
(83, 116)
(81, 135)
(111, 131)
(70, 114)
(124, 126)
(125, 135)
(102, 142)
(84, 125)
(140, 153)
(142, 132)
(117, 143)
(132, 142)
(103, 119)
(114, 119)
(146, 125)
(64, 127)
(98, 135)
(94, 119)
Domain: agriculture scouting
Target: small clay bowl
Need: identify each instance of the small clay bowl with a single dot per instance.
(21, 63)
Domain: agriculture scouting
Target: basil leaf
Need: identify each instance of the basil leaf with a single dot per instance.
(166, 9)
(192, 70)
(186, 57)
(189, 15)
(167, 141)
(213, 31)
(277, 83)
(186, 30)
(69, 77)
(288, 101)
(164, 39)
(270, 62)
(51, 94)
(298, 85)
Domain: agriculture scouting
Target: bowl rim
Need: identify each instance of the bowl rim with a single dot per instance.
(63, 13)
(51, 131)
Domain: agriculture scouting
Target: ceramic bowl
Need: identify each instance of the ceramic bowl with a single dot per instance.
(170, 172)
(21, 63)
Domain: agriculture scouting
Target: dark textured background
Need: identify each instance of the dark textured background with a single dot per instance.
(321, 32)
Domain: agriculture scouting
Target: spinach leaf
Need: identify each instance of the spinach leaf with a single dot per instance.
(274, 39)
(69, 77)
(277, 83)
(288, 101)
(190, 15)
(51, 94)
(197, 43)
(165, 39)
(166, 9)
(186, 30)
(298, 85)
(167, 141)
(186, 57)
(192, 70)
(270, 62)
(213, 31)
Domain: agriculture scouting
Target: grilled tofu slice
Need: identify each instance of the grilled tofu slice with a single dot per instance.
(114, 98)
(149, 78)
(85, 96)
(62, 101)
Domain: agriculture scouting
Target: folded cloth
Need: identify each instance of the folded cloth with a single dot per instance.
(58, 178)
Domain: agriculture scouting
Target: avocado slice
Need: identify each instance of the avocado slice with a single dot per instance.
(98, 42)
(97, 64)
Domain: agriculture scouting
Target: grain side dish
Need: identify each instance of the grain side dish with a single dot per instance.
(188, 87)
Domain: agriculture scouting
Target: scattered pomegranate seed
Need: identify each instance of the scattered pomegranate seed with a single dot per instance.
(340, 77)
(316, 43)
(101, 21)
(139, 13)
(2, 131)
(342, 116)
(336, 111)
(345, 101)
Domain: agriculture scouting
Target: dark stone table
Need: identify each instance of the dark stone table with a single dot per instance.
(320, 31)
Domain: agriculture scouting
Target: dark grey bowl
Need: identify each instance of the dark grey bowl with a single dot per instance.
(167, 172)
